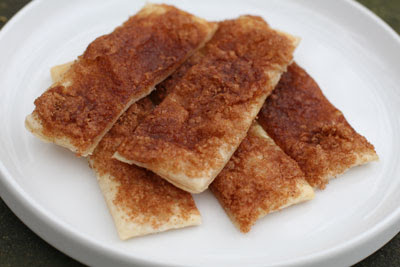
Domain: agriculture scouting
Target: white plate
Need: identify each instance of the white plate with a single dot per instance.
(351, 53)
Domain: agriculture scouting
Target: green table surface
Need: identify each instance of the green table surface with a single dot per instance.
(19, 246)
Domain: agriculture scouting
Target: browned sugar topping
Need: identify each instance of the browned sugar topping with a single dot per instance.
(122, 128)
(258, 179)
(117, 68)
(165, 87)
(310, 129)
(145, 197)
(210, 105)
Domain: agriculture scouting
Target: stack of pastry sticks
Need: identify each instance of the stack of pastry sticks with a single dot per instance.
(169, 104)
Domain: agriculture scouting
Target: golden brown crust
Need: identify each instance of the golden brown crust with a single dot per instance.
(311, 130)
(258, 179)
(165, 87)
(191, 135)
(143, 202)
(116, 70)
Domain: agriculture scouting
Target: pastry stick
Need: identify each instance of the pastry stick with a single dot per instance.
(115, 71)
(259, 179)
(192, 134)
(308, 128)
(139, 201)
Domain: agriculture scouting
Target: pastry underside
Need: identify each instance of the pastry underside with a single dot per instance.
(308, 128)
(259, 179)
(139, 201)
(115, 71)
(192, 134)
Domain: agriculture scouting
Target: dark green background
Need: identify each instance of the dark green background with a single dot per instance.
(19, 246)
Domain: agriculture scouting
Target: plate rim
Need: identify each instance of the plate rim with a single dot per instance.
(53, 230)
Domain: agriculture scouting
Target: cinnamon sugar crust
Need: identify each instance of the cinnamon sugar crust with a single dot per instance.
(308, 128)
(259, 179)
(165, 87)
(191, 135)
(140, 201)
(115, 71)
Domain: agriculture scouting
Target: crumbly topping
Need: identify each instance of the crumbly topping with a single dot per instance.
(165, 87)
(310, 129)
(209, 107)
(258, 179)
(144, 196)
(117, 68)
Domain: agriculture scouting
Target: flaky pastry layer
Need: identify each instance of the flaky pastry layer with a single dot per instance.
(259, 179)
(192, 134)
(299, 118)
(115, 71)
(139, 201)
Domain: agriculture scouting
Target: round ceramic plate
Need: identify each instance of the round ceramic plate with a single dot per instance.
(351, 53)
